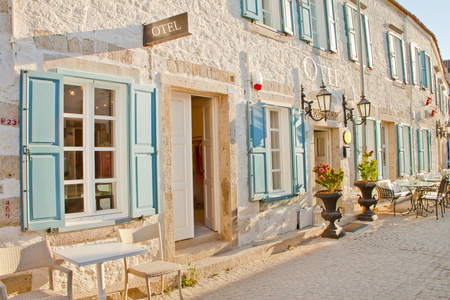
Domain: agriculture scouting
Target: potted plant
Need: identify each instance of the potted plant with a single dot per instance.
(331, 180)
(369, 173)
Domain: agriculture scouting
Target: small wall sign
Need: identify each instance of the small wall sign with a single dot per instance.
(166, 30)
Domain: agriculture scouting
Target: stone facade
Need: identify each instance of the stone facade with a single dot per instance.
(217, 60)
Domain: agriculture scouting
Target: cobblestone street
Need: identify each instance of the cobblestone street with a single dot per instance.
(393, 258)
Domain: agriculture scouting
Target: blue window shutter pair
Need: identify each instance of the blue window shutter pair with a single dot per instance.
(424, 70)
(252, 9)
(42, 152)
(379, 149)
(42, 155)
(304, 14)
(401, 151)
(298, 151)
(143, 164)
(258, 152)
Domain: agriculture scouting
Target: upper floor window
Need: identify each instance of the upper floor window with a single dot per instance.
(426, 75)
(397, 57)
(352, 25)
(275, 14)
(415, 63)
(318, 23)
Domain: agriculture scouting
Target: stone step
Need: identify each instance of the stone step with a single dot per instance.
(190, 254)
(207, 238)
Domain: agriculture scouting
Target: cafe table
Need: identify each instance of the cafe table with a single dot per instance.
(98, 254)
(417, 188)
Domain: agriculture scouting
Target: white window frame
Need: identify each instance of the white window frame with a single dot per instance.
(91, 215)
(286, 163)
(274, 13)
(393, 39)
(365, 35)
(415, 64)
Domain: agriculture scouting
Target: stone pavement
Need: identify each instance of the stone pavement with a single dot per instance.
(393, 258)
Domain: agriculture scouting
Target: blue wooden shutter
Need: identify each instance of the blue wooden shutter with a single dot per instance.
(379, 149)
(424, 70)
(143, 163)
(404, 63)
(368, 41)
(304, 15)
(298, 152)
(42, 152)
(411, 153)
(288, 16)
(401, 151)
(332, 40)
(358, 147)
(258, 184)
(351, 33)
(421, 150)
(430, 156)
(251, 9)
(392, 56)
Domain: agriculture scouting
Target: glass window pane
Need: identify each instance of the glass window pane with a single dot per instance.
(274, 120)
(73, 165)
(73, 132)
(104, 164)
(276, 181)
(276, 160)
(74, 198)
(73, 99)
(275, 139)
(103, 133)
(104, 196)
(104, 100)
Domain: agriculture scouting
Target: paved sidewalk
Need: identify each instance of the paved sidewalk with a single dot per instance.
(393, 258)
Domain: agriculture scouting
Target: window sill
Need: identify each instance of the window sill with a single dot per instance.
(271, 203)
(97, 224)
(268, 33)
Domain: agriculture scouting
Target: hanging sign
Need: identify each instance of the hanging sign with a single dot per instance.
(166, 30)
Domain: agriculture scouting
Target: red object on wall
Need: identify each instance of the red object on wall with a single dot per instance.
(429, 100)
(433, 112)
(257, 86)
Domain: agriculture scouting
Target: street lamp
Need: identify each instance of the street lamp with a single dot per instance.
(363, 107)
(324, 100)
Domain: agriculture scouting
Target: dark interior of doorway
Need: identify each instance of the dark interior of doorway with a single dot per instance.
(197, 167)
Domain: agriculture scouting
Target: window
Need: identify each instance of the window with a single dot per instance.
(318, 23)
(276, 154)
(275, 14)
(94, 163)
(404, 150)
(424, 145)
(352, 25)
(397, 57)
(368, 137)
(89, 154)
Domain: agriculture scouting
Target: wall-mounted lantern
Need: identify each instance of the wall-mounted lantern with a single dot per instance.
(324, 100)
(364, 107)
(442, 130)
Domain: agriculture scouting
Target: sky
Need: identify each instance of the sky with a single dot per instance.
(435, 15)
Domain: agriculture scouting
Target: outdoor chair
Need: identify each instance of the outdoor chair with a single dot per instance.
(390, 191)
(153, 268)
(439, 196)
(23, 258)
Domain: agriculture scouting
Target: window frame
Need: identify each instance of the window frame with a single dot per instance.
(394, 57)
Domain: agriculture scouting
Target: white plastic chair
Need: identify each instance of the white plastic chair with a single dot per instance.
(152, 268)
(23, 258)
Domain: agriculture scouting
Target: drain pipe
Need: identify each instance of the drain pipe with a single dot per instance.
(12, 39)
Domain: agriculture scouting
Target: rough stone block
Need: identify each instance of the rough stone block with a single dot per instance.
(42, 40)
(180, 66)
(9, 167)
(9, 112)
(60, 43)
(195, 69)
(126, 56)
(10, 212)
(188, 68)
(88, 47)
(203, 70)
(74, 46)
(215, 74)
(101, 47)
(171, 66)
(3, 6)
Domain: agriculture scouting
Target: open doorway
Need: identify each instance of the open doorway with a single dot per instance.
(195, 165)
(322, 147)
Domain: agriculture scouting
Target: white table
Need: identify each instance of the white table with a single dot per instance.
(98, 254)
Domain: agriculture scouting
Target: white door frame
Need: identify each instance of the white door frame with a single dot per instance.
(327, 133)
(385, 151)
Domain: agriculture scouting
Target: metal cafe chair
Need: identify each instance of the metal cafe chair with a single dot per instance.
(439, 196)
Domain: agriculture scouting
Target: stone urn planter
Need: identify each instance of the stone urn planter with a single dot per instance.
(366, 200)
(331, 214)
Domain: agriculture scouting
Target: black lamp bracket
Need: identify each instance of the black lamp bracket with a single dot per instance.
(308, 108)
(348, 114)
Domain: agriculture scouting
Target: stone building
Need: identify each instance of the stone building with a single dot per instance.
(100, 132)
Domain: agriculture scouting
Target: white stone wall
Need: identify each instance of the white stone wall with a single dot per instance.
(106, 37)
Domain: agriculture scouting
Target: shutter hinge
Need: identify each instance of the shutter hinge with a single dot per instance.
(26, 151)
